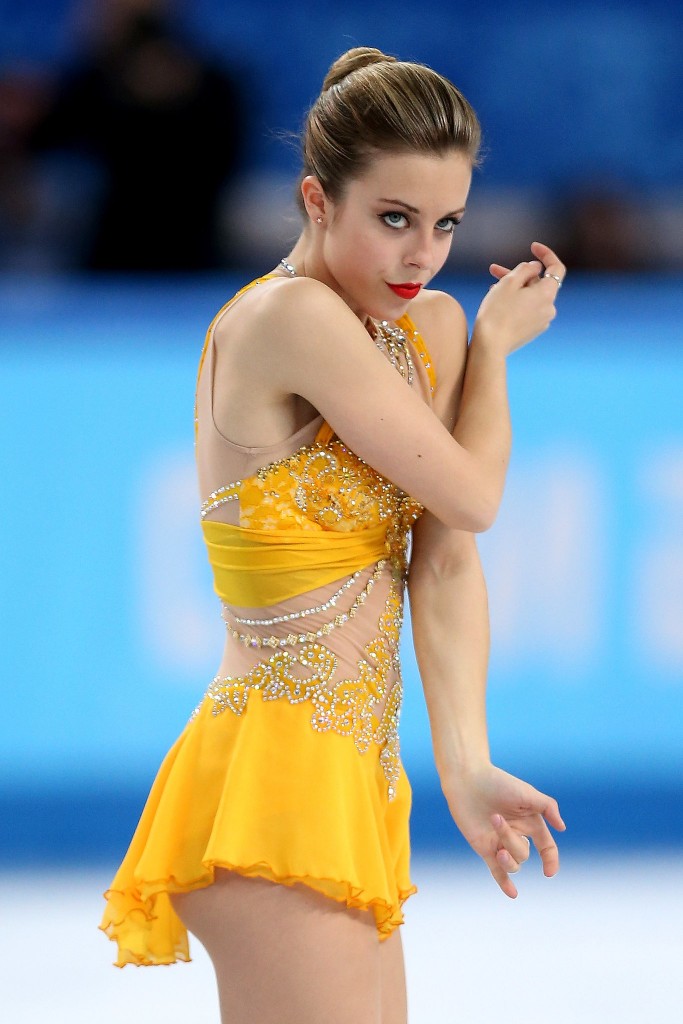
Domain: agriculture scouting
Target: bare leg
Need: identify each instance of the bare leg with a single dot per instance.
(288, 955)
(393, 980)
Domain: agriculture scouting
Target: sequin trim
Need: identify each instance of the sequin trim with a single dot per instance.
(249, 640)
(219, 497)
(302, 613)
(393, 342)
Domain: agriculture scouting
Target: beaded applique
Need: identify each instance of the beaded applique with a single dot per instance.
(325, 487)
(393, 342)
(346, 707)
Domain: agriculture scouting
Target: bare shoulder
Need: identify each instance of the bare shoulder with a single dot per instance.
(442, 323)
(439, 305)
(272, 347)
(279, 308)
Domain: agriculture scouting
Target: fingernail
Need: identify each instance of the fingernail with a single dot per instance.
(497, 820)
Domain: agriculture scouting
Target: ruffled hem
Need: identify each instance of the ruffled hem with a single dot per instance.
(307, 810)
(141, 919)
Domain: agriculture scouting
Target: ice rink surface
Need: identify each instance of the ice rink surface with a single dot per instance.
(600, 943)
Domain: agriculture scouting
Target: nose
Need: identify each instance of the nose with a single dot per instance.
(420, 253)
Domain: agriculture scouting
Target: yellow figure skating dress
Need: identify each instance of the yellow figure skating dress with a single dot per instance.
(289, 769)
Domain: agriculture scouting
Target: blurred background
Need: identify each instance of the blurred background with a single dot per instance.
(148, 158)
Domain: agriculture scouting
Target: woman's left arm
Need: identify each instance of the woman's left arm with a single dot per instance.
(449, 612)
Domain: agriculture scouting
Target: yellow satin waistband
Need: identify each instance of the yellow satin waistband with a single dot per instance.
(256, 568)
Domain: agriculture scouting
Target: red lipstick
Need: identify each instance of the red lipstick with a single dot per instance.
(408, 290)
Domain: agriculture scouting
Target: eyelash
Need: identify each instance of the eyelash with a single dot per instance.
(452, 221)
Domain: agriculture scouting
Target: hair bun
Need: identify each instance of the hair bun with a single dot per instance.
(353, 60)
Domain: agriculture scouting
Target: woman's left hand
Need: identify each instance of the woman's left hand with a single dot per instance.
(500, 816)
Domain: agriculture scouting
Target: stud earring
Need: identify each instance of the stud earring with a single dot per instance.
(319, 220)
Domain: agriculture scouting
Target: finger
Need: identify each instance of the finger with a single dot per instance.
(520, 274)
(511, 840)
(543, 840)
(545, 844)
(551, 283)
(501, 876)
(547, 849)
(550, 260)
(507, 861)
(547, 807)
(525, 273)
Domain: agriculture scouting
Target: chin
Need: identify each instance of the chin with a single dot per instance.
(395, 310)
(390, 309)
(379, 305)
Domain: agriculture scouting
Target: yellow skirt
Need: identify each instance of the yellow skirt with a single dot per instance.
(265, 795)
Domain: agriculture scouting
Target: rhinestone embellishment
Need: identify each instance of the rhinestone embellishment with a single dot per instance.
(348, 707)
(393, 341)
(288, 267)
(292, 639)
(219, 497)
(330, 603)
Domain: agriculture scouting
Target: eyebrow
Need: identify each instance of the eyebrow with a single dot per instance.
(414, 209)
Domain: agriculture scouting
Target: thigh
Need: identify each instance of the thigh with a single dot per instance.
(393, 980)
(285, 955)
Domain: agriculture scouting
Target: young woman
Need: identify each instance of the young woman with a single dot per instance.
(340, 411)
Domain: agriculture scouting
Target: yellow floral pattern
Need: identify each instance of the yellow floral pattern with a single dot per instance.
(324, 487)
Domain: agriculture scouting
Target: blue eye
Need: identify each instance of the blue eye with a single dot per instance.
(448, 225)
(394, 219)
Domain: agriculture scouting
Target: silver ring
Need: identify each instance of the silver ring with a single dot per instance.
(554, 277)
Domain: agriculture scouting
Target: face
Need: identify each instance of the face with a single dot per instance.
(394, 227)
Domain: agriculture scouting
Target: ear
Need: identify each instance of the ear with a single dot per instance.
(315, 200)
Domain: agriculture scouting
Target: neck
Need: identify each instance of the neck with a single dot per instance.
(307, 259)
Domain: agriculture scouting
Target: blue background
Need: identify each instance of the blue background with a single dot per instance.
(561, 91)
(582, 92)
(112, 632)
(110, 628)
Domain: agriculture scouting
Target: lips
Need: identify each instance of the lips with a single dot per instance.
(408, 290)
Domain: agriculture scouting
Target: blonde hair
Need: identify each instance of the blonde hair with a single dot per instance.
(373, 103)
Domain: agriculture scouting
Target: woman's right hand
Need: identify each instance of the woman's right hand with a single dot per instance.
(521, 305)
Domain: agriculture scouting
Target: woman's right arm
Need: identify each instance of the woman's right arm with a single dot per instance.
(305, 340)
